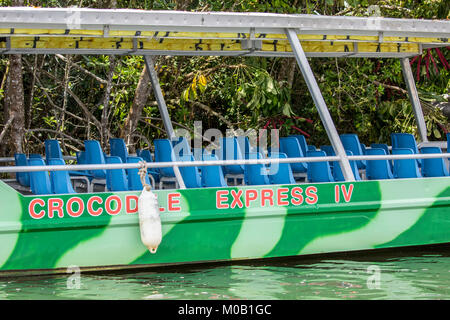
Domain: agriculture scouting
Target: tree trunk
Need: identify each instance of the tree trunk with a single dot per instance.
(14, 104)
(141, 95)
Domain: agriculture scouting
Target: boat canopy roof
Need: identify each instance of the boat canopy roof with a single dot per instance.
(124, 31)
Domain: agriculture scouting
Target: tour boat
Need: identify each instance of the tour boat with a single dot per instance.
(351, 200)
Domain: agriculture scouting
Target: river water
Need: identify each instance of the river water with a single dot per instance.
(418, 273)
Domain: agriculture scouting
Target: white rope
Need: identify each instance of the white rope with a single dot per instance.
(142, 174)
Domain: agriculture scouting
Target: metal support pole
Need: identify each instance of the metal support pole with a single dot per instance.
(163, 111)
(320, 105)
(414, 97)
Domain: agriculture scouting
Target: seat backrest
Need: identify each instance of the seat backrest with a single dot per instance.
(405, 168)
(191, 175)
(212, 176)
(380, 146)
(319, 171)
(328, 150)
(146, 155)
(39, 180)
(23, 178)
(256, 174)
(52, 149)
(60, 180)
(337, 172)
(405, 140)
(164, 153)
(378, 169)
(81, 157)
(95, 155)
(118, 148)
(280, 173)
(230, 150)
(311, 148)
(291, 148)
(350, 141)
(134, 180)
(116, 179)
(34, 156)
(433, 167)
(302, 141)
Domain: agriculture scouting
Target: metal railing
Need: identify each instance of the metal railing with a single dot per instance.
(11, 159)
(150, 165)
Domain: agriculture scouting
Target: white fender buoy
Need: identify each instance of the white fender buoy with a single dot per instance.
(149, 220)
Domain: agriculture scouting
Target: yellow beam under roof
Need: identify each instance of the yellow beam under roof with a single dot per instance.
(37, 30)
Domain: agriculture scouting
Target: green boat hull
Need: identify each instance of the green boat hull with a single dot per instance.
(41, 234)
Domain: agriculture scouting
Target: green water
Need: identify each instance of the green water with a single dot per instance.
(403, 274)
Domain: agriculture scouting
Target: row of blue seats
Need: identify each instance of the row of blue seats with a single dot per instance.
(402, 143)
(59, 182)
(231, 148)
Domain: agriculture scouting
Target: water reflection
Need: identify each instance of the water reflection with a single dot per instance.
(421, 275)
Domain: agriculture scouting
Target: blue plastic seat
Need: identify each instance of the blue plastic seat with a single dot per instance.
(380, 146)
(378, 169)
(302, 141)
(280, 173)
(52, 150)
(330, 153)
(212, 176)
(191, 175)
(34, 156)
(22, 177)
(405, 140)
(60, 180)
(95, 155)
(39, 180)
(81, 157)
(319, 171)
(256, 174)
(311, 148)
(405, 168)
(433, 167)
(116, 179)
(351, 143)
(230, 150)
(164, 153)
(385, 147)
(337, 172)
(134, 180)
(118, 148)
(291, 148)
